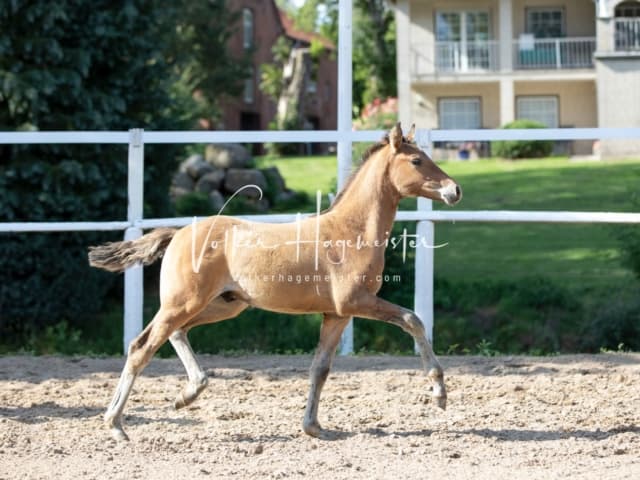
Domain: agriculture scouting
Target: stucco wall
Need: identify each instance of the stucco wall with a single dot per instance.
(576, 103)
(425, 102)
(619, 101)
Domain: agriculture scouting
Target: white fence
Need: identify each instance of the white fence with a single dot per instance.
(424, 216)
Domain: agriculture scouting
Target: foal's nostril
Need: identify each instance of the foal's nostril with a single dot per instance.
(458, 191)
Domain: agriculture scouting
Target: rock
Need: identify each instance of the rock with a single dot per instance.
(216, 200)
(183, 180)
(210, 181)
(275, 180)
(195, 166)
(237, 178)
(227, 155)
(177, 192)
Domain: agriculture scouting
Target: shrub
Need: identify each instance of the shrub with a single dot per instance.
(615, 324)
(522, 148)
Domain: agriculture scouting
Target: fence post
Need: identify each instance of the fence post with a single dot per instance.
(425, 236)
(345, 94)
(133, 278)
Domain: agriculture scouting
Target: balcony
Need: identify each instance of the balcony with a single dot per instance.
(464, 57)
(627, 34)
(483, 57)
(553, 53)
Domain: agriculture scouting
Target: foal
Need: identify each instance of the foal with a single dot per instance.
(214, 269)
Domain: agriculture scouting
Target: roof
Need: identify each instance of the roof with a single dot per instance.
(291, 31)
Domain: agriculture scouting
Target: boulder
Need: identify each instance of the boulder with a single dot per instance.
(210, 181)
(177, 192)
(195, 166)
(227, 155)
(275, 181)
(216, 200)
(182, 180)
(238, 178)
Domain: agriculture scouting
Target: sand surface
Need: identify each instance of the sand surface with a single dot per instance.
(508, 417)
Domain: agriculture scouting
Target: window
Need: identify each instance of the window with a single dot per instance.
(247, 28)
(463, 40)
(249, 86)
(627, 26)
(545, 22)
(543, 109)
(459, 113)
(628, 10)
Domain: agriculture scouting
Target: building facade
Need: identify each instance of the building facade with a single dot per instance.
(484, 63)
(260, 25)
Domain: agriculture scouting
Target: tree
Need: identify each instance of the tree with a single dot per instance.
(76, 65)
(374, 52)
(374, 48)
(198, 51)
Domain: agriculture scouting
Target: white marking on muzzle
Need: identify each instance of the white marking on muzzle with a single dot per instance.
(449, 193)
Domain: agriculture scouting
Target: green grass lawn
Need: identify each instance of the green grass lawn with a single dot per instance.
(581, 256)
(306, 174)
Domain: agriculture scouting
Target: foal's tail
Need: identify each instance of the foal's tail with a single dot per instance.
(117, 256)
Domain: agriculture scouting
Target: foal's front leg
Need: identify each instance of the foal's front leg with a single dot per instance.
(378, 309)
(330, 332)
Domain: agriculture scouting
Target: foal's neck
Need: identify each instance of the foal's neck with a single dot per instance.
(369, 204)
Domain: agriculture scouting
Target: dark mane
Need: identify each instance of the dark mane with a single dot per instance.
(365, 156)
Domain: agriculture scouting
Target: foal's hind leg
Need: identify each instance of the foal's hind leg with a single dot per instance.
(218, 310)
(141, 350)
(330, 332)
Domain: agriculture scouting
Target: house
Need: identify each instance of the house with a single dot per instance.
(261, 23)
(484, 63)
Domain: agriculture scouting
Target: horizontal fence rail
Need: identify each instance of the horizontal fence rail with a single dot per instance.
(424, 216)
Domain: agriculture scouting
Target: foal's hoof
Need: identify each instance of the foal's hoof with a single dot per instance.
(312, 429)
(441, 402)
(115, 427)
(189, 394)
(118, 435)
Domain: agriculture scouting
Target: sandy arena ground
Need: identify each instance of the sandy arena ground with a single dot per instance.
(508, 417)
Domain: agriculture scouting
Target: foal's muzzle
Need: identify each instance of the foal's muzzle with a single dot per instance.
(450, 192)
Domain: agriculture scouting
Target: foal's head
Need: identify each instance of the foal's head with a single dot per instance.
(414, 174)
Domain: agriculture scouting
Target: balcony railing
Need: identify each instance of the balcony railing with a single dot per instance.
(627, 34)
(484, 56)
(475, 56)
(553, 53)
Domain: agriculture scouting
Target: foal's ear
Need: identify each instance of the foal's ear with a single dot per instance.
(412, 134)
(395, 138)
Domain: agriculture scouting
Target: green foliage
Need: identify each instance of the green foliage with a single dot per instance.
(198, 51)
(629, 238)
(79, 65)
(522, 148)
(193, 204)
(374, 52)
(532, 315)
(614, 326)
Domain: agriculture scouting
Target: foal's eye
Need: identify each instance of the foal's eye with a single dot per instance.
(416, 160)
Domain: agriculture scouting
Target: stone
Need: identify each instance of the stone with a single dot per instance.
(210, 181)
(275, 180)
(216, 200)
(177, 192)
(195, 166)
(183, 180)
(227, 155)
(238, 178)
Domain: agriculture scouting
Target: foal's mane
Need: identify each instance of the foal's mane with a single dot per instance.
(373, 149)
